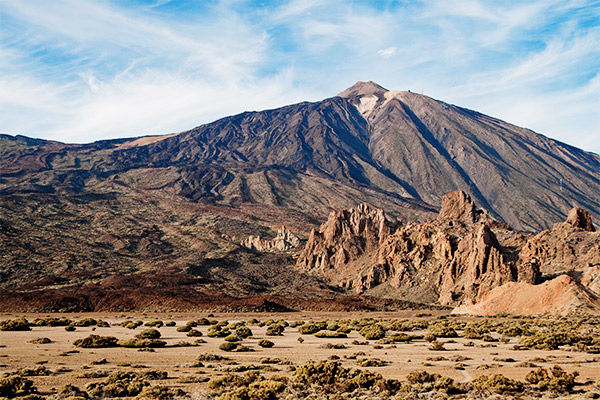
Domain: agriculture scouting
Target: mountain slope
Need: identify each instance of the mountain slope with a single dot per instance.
(526, 179)
(101, 213)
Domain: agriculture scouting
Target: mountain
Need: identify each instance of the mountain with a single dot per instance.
(176, 208)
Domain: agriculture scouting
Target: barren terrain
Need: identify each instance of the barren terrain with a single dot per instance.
(461, 358)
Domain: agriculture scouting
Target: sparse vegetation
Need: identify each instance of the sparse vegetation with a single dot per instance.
(96, 341)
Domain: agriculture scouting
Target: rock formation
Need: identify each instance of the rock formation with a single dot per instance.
(456, 257)
(343, 239)
(284, 241)
(463, 258)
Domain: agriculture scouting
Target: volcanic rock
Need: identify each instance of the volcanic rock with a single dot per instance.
(449, 259)
(284, 241)
(343, 238)
(559, 296)
(580, 219)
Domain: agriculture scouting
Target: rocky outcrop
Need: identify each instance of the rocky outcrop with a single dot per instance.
(455, 257)
(579, 218)
(573, 245)
(345, 237)
(284, 241)
(458, 206)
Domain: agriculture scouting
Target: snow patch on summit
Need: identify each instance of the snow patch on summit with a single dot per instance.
(367, 104)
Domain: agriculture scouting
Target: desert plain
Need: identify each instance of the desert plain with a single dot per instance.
(458, 347)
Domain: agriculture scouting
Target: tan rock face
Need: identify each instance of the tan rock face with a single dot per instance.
(345, 237)
(580, 219)
(456, 257)
(284, 241)
(458, 206)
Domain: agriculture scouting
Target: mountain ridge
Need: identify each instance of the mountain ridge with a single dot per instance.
(99, 213)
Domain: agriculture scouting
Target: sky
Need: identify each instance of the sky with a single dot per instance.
(84, 70)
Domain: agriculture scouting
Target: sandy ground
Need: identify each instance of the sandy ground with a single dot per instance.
(16, 351)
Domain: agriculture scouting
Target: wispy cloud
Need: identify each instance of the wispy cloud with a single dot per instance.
(81, 70)
(387, 53)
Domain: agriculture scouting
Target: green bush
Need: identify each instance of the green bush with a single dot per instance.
(216, 331)
(231, 338)
(155, 323)
(15, 385)
(170, 323)
(141, 343)
(118, 384)
(243, 332)
(372, 332)
(148, 333)
(160, 393)
(194, 333)
(228, 346)
(442, 330)
(17, 324)
(70, 328)
(274, 330)
(40, 340)
(131, 324)
(96, 341)
(497, 383)
(331, 335)
(50, 321)
(86, 322)
(310, 328)
(557, 380)
(265, 343)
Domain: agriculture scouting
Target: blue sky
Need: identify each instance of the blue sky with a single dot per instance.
(83, 70)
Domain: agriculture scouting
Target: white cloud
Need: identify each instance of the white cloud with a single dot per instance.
(387, 53)
(80, 70)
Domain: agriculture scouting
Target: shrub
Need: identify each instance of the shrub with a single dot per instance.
(194, 333)
(442, 330)
(86, 322)
(141, 343)
(208, 357)
(160, 393)
(228, 346)
(184, 328)
(18, 324)
(265, 343)
(557, 380)
(372, 332)
(547, 340)
(497, 383)
(155, 323)
(170, 323)
(217, 332)
(15, 385)
(96, 341)
(131, 324)
(118, 384)
(154, 375)
(40, 340)
(102, 324)
(274, 330)
(432, 381)
(310, 328)
(243, 332)
(331, 335)
(232, 338)
(51, 322)
(70, 328)
(149, 333)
